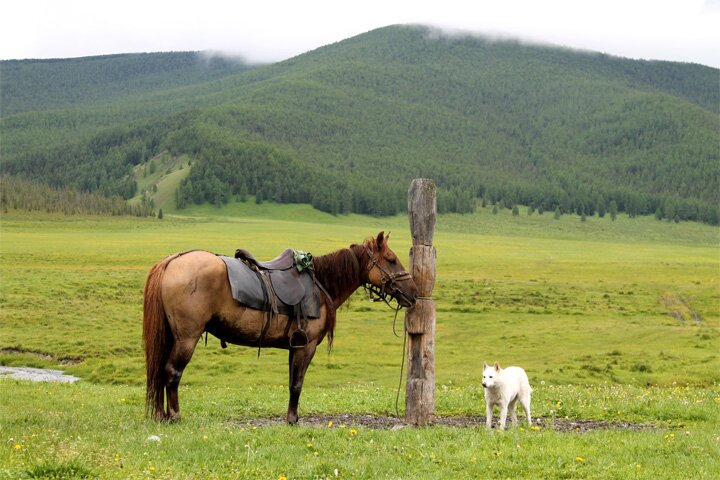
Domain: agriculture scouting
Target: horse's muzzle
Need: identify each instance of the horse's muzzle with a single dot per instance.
(401, 287)
(406, 300)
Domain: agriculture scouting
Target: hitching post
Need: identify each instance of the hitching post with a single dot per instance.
(420, 318)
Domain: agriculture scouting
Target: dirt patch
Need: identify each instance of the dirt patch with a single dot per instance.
(680, 309)
(396, 423)
(63, 360)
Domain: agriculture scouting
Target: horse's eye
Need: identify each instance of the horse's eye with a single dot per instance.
(392, 261)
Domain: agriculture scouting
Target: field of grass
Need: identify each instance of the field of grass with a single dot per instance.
(613, 321)
(159, 178)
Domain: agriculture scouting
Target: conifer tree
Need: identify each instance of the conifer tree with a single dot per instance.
(600, 207)
(613, 210)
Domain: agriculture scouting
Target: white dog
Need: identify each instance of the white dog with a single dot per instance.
(504, 387)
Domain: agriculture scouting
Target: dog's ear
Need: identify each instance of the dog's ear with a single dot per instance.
(485, 365)
(497, 366)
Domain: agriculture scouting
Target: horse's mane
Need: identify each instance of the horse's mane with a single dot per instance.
(340, 274)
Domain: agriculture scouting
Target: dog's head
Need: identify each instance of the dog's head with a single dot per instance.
(490, 374)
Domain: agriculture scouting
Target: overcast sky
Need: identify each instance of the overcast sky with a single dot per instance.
(272, 30)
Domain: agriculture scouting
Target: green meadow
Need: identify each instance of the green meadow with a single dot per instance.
(616, 322)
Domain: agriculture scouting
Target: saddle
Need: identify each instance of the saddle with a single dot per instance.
(287, 282)
(277, 287)
(284, 261)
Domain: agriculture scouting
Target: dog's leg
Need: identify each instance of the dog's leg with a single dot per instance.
(503, 415)
(488, 414)
(525, 402)
(513, 415)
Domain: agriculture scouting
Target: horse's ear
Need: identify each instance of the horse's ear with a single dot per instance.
(497, 366)
(485, 365)
(380, 241)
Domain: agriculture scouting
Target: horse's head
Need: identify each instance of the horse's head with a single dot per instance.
(386, 272)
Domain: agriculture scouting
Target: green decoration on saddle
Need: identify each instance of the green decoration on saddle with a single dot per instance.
(303, 260)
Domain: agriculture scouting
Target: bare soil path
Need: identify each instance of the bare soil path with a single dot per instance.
(396, 423)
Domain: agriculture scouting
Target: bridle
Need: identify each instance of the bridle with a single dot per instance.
(388, 285)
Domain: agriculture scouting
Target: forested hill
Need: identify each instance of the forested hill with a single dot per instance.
(345, 127)
(27, 85)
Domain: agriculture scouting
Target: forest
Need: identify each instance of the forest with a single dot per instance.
(347, 126)
(20, 194)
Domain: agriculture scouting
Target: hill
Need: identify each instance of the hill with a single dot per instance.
(28, 85)
(345, 127)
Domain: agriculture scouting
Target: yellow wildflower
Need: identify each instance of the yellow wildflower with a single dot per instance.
(579, 459)
(330, 424)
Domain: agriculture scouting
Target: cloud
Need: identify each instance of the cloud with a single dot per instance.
(272, 30)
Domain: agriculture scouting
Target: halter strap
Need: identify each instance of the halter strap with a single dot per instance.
(355, 260)
(386, 275)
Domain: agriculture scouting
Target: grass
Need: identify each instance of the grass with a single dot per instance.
(615, 321)
(104, 437)
(163, 182)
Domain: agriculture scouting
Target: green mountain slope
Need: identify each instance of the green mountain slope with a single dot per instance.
(28, 85)
(345, 128)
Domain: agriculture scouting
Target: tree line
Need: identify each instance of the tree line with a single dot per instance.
(20, 194)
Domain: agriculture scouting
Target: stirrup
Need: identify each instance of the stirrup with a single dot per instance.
(298, 339)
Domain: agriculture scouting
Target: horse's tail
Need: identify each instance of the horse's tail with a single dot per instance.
(156, 338)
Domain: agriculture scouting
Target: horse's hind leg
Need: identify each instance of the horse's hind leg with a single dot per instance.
(177, 361)
(299, 361)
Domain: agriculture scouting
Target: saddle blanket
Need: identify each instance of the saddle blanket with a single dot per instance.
(292, 288)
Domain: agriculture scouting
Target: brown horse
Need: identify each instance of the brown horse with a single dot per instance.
(188, 294)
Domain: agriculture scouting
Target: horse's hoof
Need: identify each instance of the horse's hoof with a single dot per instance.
(292, 420)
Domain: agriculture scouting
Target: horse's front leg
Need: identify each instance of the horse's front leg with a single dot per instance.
(299, 359)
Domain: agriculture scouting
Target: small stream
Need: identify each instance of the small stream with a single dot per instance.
(36, 374)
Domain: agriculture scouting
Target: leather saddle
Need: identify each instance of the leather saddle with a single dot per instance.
(284, 261)
(254, 284)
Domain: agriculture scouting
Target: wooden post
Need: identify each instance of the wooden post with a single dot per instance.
(420, 318)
